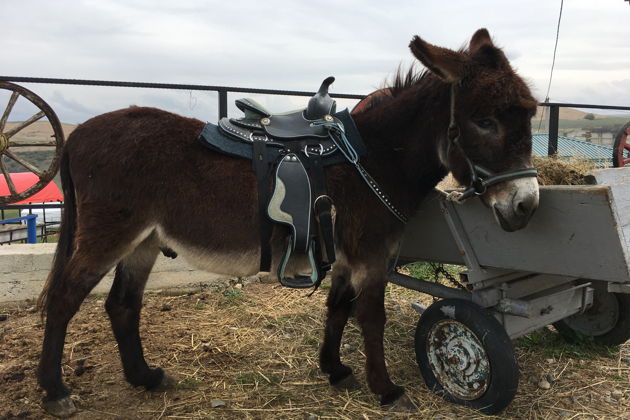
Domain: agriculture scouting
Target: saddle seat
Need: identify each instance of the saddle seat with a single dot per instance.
(277, 129)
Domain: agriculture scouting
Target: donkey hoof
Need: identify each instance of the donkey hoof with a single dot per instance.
(63, 407)
(167, 383)
(348, 383)
(403, 405)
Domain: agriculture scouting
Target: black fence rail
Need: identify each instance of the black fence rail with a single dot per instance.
(553, 117)
(221, 90)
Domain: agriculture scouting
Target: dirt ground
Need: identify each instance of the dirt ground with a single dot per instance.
(251, 353)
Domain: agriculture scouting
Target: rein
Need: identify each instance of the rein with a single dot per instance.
(481, 178)
(340, 139)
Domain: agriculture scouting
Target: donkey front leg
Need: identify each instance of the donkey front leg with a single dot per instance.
(371, 318)
(339, 305)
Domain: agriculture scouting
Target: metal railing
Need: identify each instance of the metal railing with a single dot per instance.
(48, 218)
(554, 118)
(221, 90)
(31, 229)
(554, 107)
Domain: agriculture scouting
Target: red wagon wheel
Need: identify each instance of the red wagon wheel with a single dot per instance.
(621, 150)
(13, 144)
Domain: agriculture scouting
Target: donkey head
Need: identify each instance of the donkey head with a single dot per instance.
(491, 108)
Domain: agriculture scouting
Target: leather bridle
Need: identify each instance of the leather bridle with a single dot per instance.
(481, 178)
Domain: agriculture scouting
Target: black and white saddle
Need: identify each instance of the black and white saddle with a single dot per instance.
(291, 149)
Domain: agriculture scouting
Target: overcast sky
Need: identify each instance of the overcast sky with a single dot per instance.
(296, 44)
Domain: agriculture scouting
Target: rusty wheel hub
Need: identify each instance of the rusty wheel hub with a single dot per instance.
(4, 143)
(458, 360)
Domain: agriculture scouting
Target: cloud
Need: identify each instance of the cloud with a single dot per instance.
(293, 45)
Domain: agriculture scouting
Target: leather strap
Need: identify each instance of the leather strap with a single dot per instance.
(260, 162)
(322, 205)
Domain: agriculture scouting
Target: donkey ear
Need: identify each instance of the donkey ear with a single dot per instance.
(480, 39)
(484, 51)
(447, 64)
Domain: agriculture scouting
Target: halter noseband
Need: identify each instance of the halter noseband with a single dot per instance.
(480, 178)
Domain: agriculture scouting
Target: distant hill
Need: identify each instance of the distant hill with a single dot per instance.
(567, 113)
(38, 131)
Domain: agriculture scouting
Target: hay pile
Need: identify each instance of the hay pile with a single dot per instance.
(554, 171)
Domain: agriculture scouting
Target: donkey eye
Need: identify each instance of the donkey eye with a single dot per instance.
(485, 123)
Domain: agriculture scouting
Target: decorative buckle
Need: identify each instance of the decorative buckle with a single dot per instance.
(321, 150)
(252, 139)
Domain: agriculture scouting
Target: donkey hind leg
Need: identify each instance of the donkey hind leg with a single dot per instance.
(371, 318)
(123, 307)
(70, 287)
(339, 305)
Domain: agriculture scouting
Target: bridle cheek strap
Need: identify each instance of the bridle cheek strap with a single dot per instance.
(480, 178)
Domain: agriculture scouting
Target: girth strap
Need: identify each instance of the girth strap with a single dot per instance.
(322, 205)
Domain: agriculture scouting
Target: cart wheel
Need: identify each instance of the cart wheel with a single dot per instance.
(621, 149)
(12, 146)
(466, 356)
(607, 321)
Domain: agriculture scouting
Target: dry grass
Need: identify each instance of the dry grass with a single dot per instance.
(553, 171)
(255, 349)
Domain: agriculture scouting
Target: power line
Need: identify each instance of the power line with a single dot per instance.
(553, 62)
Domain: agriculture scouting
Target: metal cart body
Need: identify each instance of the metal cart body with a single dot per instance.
(578, 239)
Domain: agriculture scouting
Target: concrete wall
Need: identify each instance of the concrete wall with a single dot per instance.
(24, 268)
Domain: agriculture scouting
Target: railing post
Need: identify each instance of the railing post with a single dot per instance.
(222, 103)
(554, 116)
(31, 229)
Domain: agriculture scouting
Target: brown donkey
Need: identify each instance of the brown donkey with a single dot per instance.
(138, 179)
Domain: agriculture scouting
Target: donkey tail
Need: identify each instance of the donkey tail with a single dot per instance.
(65, 245)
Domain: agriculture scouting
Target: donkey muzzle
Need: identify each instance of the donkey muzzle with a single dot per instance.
(514, 202)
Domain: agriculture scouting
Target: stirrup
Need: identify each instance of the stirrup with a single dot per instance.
(301, 281)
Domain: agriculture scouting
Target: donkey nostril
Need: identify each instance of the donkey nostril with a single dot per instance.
(525, 207)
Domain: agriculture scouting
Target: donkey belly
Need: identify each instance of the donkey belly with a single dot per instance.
(242, 262)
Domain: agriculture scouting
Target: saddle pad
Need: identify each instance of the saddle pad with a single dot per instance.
(212, 137)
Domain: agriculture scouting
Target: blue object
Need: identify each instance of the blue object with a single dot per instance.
(567, 146)
(31, 226)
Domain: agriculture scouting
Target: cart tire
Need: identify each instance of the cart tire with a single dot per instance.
(466, 356)
(622, 147)
(607, 321)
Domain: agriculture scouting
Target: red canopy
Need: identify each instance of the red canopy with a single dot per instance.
(23, 181)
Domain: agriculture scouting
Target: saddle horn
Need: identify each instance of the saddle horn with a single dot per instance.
(321, 103)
